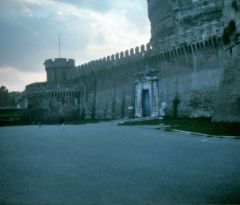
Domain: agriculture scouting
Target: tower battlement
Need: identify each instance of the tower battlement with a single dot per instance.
(59, 62)
(59, 69)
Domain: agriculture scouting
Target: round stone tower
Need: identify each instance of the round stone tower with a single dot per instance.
(161, 15)
(59, 69)
(174, 17)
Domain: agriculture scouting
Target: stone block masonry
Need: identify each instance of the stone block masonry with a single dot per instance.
(183, 69)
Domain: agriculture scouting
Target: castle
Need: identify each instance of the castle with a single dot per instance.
(191, 65)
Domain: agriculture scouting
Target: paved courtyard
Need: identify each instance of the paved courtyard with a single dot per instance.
(108, 164)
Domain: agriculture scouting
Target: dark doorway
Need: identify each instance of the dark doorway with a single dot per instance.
(145, 103)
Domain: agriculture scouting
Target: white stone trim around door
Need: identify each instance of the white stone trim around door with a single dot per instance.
(146, 87)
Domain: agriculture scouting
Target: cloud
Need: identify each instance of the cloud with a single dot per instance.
(15, 80)
(90, 29)
(98, 6)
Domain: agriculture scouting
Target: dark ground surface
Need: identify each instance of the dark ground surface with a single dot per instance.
(197, 125)
(108, 164)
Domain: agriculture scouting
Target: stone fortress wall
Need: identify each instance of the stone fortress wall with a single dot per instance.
(182, 69)
(227, 106)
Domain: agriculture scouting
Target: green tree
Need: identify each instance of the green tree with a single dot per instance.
(5, 99)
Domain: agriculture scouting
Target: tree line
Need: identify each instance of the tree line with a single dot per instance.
(5, 98)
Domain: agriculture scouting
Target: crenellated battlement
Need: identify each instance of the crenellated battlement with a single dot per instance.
(118, 58)
(191, 39)
(59, 62)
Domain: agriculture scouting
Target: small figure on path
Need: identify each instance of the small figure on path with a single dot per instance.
(62, 121)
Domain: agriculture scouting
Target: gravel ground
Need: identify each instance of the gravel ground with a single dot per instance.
(108, 164)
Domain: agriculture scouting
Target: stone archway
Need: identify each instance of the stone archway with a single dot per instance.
(146, 95)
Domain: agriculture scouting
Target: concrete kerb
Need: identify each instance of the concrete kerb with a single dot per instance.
(164, 127)
(200, 134)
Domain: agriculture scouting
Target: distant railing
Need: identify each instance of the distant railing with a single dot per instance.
(38, 88)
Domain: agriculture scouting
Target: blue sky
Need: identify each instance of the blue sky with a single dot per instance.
(90, 29)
